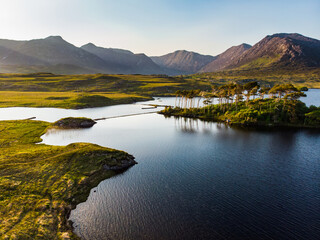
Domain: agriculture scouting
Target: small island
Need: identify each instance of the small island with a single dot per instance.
(248, 105)
(72, 122)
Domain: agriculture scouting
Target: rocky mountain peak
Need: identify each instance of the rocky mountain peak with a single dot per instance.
(183, 62)
(88, 45)
(55, 38)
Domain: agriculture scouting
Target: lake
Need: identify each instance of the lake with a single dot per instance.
(195, 180)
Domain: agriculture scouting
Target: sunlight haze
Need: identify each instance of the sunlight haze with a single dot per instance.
(157, 27)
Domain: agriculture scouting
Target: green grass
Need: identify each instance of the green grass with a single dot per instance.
(96, 90)
(39, 184)
(145, 85)
(83, 91)
(68, 100)
(260, 62)
(264, 75)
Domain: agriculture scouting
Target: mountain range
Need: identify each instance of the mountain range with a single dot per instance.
(54, 54)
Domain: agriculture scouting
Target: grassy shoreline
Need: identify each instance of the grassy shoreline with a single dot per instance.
(65, 100)
(40, 184)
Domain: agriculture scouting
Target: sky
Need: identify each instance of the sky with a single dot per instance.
(157, 27)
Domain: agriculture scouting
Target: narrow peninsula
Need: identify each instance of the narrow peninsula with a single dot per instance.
(40, 184)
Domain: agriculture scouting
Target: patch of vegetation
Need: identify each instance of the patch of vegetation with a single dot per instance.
(67, 100)
(40, 184)
(83, 91)
(266, 112)
(96, 90)
(304, 89)
(86, 101)
(57, 98)
(281, 108)
(260, 62)
(313, 117)
(309, 77)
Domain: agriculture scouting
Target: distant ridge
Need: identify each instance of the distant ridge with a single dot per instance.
(51, 51)
(183, 61)
(124, 61)
(54, 54)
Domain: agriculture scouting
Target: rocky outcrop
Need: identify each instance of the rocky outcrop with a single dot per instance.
(74, 123)
(121, 165)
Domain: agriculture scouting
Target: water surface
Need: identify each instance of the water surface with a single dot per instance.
(195, 180)
(198, 180)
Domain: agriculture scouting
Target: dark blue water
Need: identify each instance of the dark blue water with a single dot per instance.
(199, 180)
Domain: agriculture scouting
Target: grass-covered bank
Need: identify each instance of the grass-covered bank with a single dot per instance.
(40, 184)
(67, 100)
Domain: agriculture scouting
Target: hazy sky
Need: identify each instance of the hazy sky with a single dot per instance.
(157, 27)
